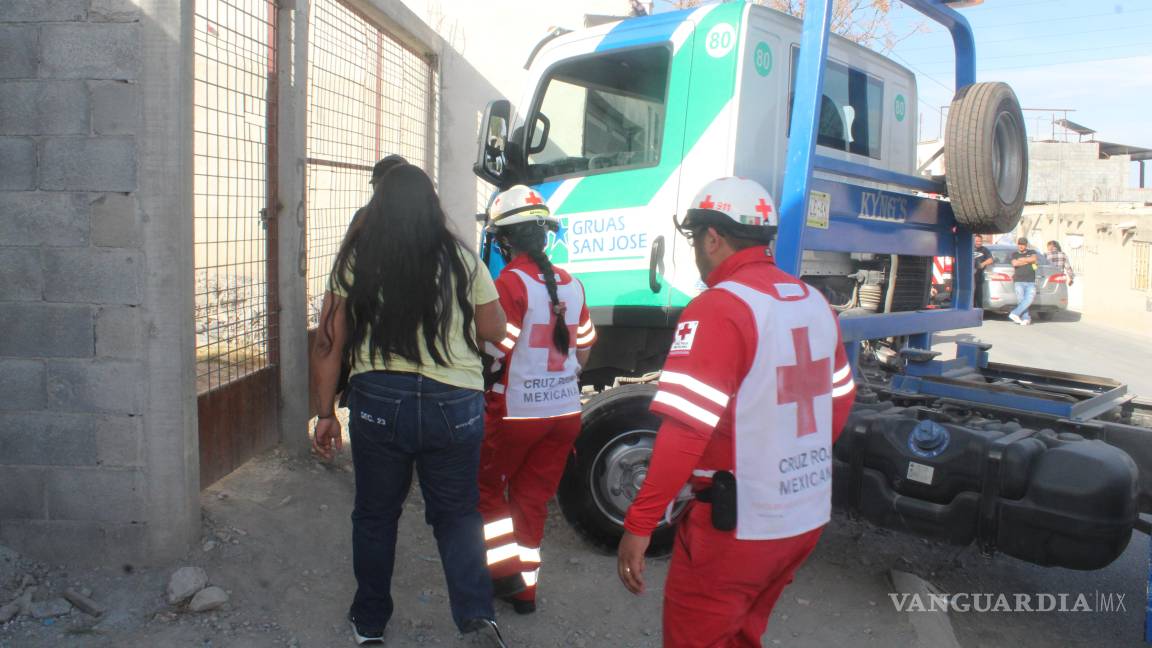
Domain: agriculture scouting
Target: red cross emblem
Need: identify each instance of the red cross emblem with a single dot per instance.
(541, 337)
(684, 331)
(533, 199)
(707, 202)
(764, 208)
(802, 382)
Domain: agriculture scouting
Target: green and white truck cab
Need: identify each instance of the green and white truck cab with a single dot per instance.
(621, 124)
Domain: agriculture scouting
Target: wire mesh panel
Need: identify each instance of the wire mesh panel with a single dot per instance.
(230, 123)
(368, 97)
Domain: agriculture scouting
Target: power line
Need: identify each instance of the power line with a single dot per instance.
(1039, 65)
(924, 74)
(1024, 54)
(981, 43)
(1048, 20)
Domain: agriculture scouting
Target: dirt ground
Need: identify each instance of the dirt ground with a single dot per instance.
(277, 537)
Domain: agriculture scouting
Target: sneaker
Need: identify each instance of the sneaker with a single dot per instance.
(484, 632)
(1026, 322)
(1015, 318)
(365, 634)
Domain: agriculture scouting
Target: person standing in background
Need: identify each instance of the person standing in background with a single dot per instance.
(1057, 258)
(981, 259)
(1024, 261)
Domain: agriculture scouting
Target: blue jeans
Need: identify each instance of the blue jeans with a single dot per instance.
(397, 421)
(1025, 293)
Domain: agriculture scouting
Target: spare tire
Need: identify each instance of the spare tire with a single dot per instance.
(986, 158)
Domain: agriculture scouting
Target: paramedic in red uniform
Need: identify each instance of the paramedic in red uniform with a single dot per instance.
(755, 390)
(532, 415)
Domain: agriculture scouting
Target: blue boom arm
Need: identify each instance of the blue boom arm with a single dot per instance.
(914, 225)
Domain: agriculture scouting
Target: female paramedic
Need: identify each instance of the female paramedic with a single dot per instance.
(533, 408)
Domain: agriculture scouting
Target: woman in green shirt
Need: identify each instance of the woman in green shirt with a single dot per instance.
(406, 305)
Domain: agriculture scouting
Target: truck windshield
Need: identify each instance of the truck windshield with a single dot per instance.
(603, 112)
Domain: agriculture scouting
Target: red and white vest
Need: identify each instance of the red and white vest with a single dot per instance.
(783, 414)
(539, 381)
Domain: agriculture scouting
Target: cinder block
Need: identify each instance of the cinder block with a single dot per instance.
(19, 50)
(38, 330)
(21, 493)
(79, 543)
(114, 11)
(92, 275)
(115, 107)
(106, 386)
(88, 164)
(37, 218)
(90, 51)
(114, 222)
(17, 163)
(43, 10)
(21, 388)
(43, 108)
(48, 439)
(95, 494)
(118, 332)
(20, 276)
(118, 440)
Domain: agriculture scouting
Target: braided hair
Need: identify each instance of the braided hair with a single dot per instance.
(530, 238)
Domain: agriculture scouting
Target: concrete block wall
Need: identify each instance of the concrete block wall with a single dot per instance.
(95, 465)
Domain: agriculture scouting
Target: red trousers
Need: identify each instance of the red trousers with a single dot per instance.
(720, 590)
(521, 463)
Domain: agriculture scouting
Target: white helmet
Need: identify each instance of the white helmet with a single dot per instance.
(737, 205)
(520, 204)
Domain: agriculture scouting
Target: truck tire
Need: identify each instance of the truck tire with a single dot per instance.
(986, 157)
(609, 464)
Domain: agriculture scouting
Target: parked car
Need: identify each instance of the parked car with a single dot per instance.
(1000, 295)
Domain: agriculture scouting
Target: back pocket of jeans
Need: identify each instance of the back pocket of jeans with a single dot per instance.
(464, 417)
(373, 416)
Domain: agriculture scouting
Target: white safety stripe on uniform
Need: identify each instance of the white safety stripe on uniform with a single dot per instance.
(500, 554)
(529, 555)
(493, 350)
(703, 473)
(531, 577)
(707, 391)
(498, 388)
(584, 328)
(507, 343)
(843, 390)
(591, 337)
(687, 408)
(841, 373)
(512, 329)
(498, 528)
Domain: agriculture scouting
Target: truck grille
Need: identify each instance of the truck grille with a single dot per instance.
(913, 281)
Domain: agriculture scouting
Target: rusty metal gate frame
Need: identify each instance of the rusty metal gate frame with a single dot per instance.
(235, 189)
(342, 145)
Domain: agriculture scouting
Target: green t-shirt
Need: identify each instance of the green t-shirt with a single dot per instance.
(465, 369)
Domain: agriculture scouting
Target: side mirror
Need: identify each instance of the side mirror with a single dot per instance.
(539, 134)
(491, 164)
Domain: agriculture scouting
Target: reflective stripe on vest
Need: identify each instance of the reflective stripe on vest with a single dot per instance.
(783, 414)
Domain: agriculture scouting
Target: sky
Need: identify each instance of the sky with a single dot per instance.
(1092, 58)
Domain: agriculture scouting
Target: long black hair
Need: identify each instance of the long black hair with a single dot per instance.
(530, 238)
(401, 270)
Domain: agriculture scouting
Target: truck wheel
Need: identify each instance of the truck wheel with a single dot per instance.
(986, 157)
(609, 464)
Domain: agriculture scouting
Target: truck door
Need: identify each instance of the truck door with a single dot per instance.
(598, 145)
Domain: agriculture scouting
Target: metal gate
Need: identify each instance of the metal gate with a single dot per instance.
(368, 96)
(234, 175)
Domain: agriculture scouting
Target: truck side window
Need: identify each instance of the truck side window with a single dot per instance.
(603, 113)
(851, 109)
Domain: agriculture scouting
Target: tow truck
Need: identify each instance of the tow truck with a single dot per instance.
(621, 124)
